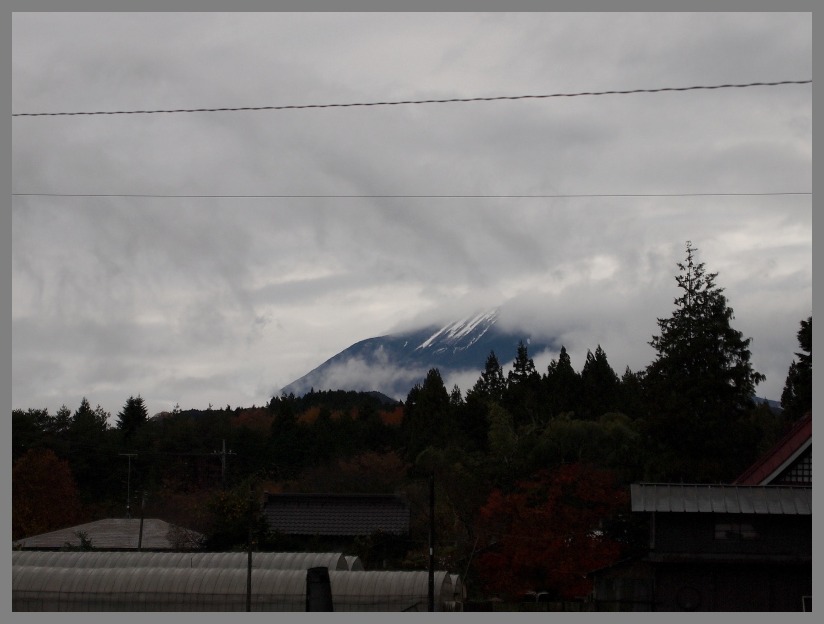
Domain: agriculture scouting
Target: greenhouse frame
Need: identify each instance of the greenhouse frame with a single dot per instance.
(114, 559)
(117, 581)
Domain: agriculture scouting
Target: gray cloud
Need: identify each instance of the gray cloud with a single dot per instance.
(225, 300)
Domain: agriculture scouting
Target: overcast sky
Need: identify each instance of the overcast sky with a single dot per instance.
(224, 300)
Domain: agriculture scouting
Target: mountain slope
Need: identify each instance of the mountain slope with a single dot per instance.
(393, 364)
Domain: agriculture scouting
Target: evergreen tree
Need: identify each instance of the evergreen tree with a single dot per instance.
(503, 444)
(456, 397)
(599, 385)
(62, 420)
(630, 393)
(29, 430)
(701, 384)
(427, 418)
(473, 416)
(90, 451)
(523, 368)
(797, 397)
(523, 389)
(325, 436)
(88, 421)
(491, 384)
(562, 385)
(132, 417)
(288, 439)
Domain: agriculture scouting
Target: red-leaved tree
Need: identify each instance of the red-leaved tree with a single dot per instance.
(44, 494)
(547, 534)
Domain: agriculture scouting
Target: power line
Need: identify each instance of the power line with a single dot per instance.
(315, 196)
(407, 102)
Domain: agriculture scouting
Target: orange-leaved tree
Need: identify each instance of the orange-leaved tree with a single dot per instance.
(548, 532)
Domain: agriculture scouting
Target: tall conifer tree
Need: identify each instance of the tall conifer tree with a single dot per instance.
(132, 417)
(599, 385)
(797, 397)
(701, 384)
(562, 384)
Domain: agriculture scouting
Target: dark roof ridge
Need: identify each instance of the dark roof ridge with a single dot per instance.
(333, 495)
(725, 485)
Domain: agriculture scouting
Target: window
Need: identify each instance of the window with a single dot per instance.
(735, 531)
(800, 473)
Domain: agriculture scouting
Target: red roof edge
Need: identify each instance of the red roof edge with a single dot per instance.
(800, 432)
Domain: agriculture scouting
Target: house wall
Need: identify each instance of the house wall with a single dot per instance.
(731, 587)
(703, 533)
(777, 573)
(627, 586)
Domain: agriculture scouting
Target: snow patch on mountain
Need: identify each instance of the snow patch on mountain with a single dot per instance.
(464, 327)
(391, 365)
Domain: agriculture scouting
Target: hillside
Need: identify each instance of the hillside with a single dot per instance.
(394, 363)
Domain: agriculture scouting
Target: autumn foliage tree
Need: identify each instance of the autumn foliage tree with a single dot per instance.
(369, 472)
(547, 533)
(44, 494)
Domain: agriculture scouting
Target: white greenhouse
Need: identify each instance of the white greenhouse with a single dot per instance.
(263, 560)
(115, 583)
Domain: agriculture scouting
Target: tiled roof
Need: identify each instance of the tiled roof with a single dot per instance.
(733, 499)
(783, 454)
(117, 534)
(336, 514)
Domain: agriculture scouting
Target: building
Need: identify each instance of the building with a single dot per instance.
(132, 581)
(115, 534)
(789, 462)
(336, 515)
(376, 526)
(746, 546)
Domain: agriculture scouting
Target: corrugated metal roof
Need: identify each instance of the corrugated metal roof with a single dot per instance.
(336, 514)
(733, 499)
(117, 533)
(109, 559)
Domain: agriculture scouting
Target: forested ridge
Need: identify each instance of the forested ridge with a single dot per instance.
(530, 466)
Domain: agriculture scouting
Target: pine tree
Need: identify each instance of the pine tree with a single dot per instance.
(630, 393)
(88, 443)
(456, 397)
(563, 385)
(62, 420)
(523, 368)
(599, 385)
(88, 421)
(701, 384)
(428, 415)
(491, 384)
(523, 389)
(797, 397)
(488, 391)
(132, 417)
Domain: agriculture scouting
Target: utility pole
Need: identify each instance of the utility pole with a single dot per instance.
(129, 485)
(249, 551)
(432, 541)
(140, 534)
(223, 455)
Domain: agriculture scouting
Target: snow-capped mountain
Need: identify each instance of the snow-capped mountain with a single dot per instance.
(393, 364)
